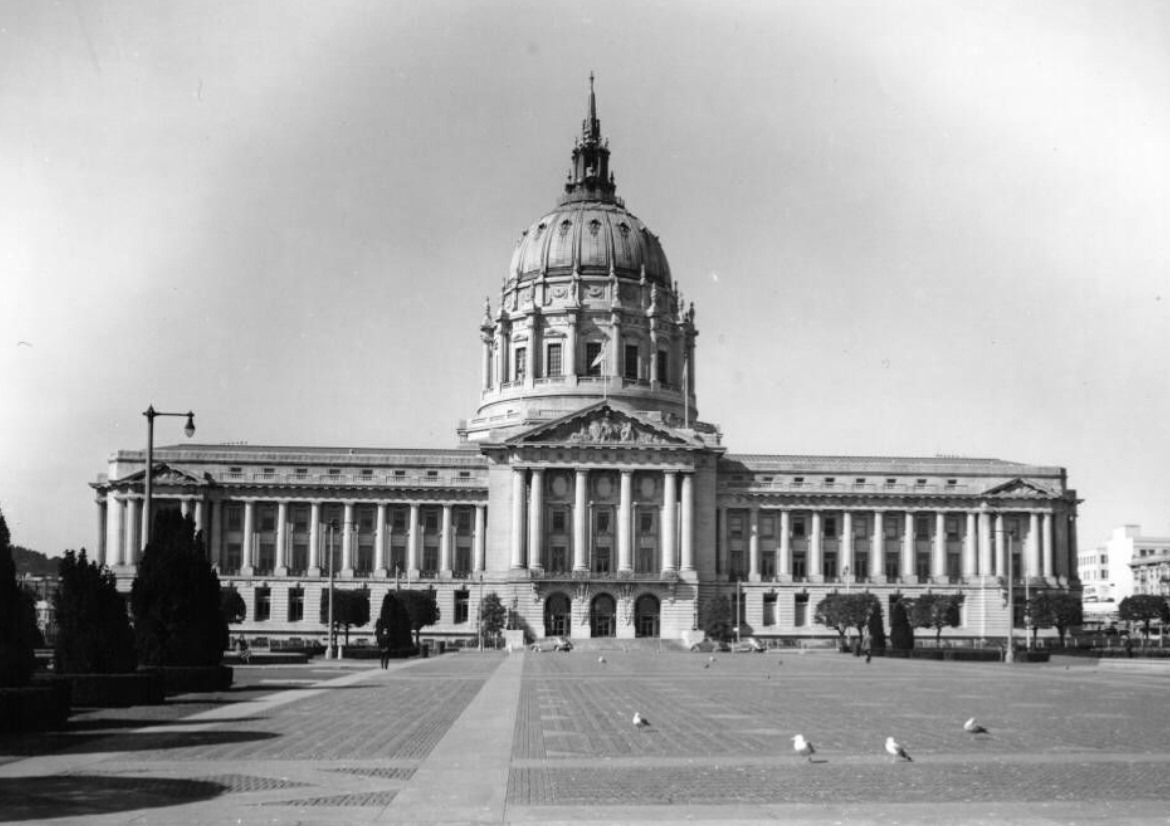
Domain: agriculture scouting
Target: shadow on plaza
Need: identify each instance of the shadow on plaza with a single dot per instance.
(89, 741)
(40, 798)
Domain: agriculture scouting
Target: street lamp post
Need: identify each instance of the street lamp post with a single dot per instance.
(481, 613)
(1010, 654)
(331, 652)
(150, 413)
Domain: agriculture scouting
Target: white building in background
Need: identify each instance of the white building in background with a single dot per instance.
(586, 491)
(1127, 563)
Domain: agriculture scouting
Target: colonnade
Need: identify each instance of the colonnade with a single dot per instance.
(983, 543)
(676, 517)
(121, 529)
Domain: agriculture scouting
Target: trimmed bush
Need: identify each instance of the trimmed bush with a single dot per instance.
(179, 679)
(93, 631)
(143, 688)
(37, 707)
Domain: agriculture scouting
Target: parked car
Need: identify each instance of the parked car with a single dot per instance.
(749, 645)
(551, 644)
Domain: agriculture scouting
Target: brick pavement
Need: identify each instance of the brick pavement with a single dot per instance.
(549, 739)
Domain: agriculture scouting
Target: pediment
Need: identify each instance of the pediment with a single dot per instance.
(1018, 487)
(164, 474)
(603, 425)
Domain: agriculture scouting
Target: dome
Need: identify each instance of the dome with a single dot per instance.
(591, 238)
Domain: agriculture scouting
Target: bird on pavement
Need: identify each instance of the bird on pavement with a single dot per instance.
(896, 751)
(972, 727)
(601, 660)
(803, 747)
(711, 659)
(640, 721)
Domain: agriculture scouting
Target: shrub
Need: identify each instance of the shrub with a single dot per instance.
(18, 620)
(176, 599)
(901, 634)
(93, 631)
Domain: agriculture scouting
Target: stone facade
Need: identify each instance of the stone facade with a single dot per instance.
(586, 492)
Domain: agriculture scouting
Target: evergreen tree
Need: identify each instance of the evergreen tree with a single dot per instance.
(1055, 609)
(1143, 608)
(232, 606)
(393, 625)
(175, 598)
(901, 634)
(93, 630)
(18, 620)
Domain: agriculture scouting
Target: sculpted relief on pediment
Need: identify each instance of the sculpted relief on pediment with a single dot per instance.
(606, 428)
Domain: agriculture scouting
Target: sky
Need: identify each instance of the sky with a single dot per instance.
(908, 228)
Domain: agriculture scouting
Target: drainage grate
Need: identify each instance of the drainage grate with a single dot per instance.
(356, 799)
(241, 783)
(384, 773)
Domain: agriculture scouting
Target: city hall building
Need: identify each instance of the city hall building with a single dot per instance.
(586, 491)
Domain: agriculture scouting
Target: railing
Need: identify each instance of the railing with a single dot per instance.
(839, 486)
(550, 380)
(412, 480)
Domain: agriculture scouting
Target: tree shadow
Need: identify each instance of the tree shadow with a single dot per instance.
(41, 798)
(93, 742)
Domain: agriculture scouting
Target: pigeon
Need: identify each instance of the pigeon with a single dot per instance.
(706, 665)
(897, 751)
(803, 747)
(972, 727)
(640, 721)
(711, 659)
(601, 660)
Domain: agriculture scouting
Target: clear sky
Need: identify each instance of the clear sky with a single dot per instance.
(908, 228)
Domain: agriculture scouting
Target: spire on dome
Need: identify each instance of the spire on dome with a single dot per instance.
(589, 177)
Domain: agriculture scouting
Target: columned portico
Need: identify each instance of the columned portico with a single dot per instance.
(625, 562)
(580, 521)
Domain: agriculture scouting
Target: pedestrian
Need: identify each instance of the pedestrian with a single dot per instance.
(1128, 647)
(867, 646)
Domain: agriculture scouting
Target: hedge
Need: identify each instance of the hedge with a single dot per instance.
(142, 688)
(186, 679)
(41, 706)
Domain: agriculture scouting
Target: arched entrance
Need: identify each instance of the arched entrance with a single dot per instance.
(646, 612)
(603, 616)
(557, 614)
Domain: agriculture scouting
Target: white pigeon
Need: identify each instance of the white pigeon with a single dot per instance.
(897, 751)
(601, 660)
(640, 721)
(973, 727)
(711, 659)
(803, 747)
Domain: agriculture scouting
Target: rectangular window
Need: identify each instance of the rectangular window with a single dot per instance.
(367, 473)
(630, 368)
(646, 523)
(263, 604)
(735, 525)
(799, 567)
(430, 521)
(860, 527)
(829, 566)
(800, 611)
(890, 528)
(767, 564)
(601, 559)
(521, 363)
(603, 521)
(663, 376)
(267, 560)
(891, 483)
(892, 566)
(798, 526)
(952, 527)
(235, 517)
(769, 609)
(559, 521)
(267, 518)
(300, 519)
(463, 522)
(268, 472)
(366, 520)
(334, 471)
(767, 527)
(300, 556)
(301, 472)
(921, 527)
(558, 560)
(593, 358)
(830, 481)
(798, 481)
(462, 599)
(296, 604)
(554, 360)
(830, 527)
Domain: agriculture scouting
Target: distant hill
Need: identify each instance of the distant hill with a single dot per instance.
(33, 563)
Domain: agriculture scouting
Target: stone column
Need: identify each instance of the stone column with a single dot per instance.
(533, 344)
(654, 377)
(133, 532)
(281, 561)
(519, 494)
(487, 361)
(1001, 560)
(784, 564)
(247, 550)
(877, 548)
(687, 537)
(669, 521)
(215, 533)
(536, 520)
(1046, 548)
(938, 560)
(115, 529)
(314, 539)
(570, 355)
(184, 507)
(200, 513)
(581, 521)
(970, 566)
(816, 559)
(380, 540)
(985, 556)
(347, 540)
(908, 571)
(1033, 546)
(845, 565)
(480, 546)
(624, 511)
(100, 555)
(446, 540)
(412, 542)
(754, 544)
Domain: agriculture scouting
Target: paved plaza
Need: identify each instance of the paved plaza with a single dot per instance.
(548, 738)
